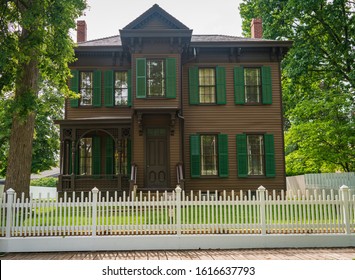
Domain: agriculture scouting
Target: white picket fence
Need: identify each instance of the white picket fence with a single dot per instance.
(178, 213)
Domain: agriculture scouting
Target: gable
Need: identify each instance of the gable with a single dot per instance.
(156, 19)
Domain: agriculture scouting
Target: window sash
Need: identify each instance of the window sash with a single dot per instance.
(209, 155)
(255, 155)
(122, 158)
(207, 85)
(253, 85)
(121, 88)
(86, 88)
(155, 77)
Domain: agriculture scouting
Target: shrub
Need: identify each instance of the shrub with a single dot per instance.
(45, 182)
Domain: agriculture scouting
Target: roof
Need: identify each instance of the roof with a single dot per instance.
(115, 41)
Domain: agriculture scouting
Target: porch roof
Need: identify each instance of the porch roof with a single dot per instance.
(95, 121)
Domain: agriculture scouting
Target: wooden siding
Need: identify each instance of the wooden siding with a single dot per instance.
(234, 119)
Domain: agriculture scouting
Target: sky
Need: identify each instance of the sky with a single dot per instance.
(104, 18)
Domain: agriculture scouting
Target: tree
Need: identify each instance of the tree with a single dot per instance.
(35, 46)
(318, 79)
(46, 135)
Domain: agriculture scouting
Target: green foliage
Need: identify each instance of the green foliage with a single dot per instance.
(45, 182)
(35, 49)
(318, 79)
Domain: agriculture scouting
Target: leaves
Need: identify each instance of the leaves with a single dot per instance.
(318, 79)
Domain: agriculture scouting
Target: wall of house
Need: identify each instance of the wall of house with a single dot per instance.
(234, 119)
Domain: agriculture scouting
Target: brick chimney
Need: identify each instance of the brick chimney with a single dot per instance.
(256, 28)
(81, 31)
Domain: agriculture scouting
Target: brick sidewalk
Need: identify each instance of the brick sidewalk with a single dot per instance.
(242, 254)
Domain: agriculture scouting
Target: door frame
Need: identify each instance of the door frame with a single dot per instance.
(145, 174)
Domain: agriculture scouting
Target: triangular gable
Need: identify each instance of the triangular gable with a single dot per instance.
(156, 18)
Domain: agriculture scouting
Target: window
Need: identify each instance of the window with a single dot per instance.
(122, 157)
(252, 85)
(121, 88)
(86, 88)
(207, 85)
(252, 80)
(155, 78)
(209, 155)
(85, 161)
(88, 85)
(255, 155)
(255, 150)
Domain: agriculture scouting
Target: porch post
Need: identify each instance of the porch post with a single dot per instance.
(72, 175)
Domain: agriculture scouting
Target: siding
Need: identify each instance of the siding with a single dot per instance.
(234, 119)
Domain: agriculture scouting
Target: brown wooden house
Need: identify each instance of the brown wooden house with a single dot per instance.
(160, 106)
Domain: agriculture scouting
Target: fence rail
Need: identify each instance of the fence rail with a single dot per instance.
(178, 213)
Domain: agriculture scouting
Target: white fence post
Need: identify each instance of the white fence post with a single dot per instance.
(345, 199)
(178, 210)
(261, 190)
(10, 200)
(94, 211)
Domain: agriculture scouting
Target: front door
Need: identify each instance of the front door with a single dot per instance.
(156, 158)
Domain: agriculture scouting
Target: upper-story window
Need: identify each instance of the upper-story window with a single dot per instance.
(121, 88)
(207, 85)
(86, 88)
(252, 85)
(252, 80)
(88, 85)
(156, 78)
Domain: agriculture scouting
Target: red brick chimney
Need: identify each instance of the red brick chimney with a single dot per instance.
(81, 31)
(256, 28)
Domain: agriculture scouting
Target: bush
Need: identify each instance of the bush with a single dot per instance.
(45, 182)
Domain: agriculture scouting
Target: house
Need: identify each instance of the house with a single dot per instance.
(161, 106)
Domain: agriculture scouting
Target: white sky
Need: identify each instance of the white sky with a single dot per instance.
(104, 18)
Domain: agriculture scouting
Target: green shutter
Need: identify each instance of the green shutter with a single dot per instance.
(129, 156)
(96, 155)
(170, 78)
(96, 100)
(141, 91)
(129, 84)
(109, 155)
(239, 87)
(221, 85)
(266, 84)
(269, 155)
(195, 156)
(242, 158)
(223, 155)
(193, 86)
(108, 78)
(74, 86)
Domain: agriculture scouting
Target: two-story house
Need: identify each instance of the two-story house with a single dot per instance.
(161, 106)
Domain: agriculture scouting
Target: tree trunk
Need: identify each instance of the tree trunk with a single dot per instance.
(18, 171)
(20, 156)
